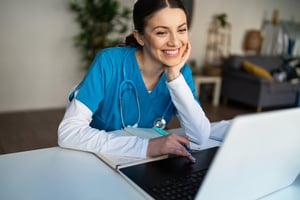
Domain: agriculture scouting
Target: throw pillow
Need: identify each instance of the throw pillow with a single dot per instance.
(256, 70)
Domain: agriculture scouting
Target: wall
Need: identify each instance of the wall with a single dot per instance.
(242, 15)
(39, 64)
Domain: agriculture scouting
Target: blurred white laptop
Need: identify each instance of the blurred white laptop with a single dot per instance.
(259, 155)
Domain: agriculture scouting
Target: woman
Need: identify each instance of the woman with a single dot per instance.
(135, 84)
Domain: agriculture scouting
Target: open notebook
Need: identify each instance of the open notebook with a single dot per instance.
(259, 155)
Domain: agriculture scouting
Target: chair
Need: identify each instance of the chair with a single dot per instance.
(255, 90)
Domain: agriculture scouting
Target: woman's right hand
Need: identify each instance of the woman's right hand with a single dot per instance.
(170, 144)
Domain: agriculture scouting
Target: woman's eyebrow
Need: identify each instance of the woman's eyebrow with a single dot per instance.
(183, 24)
(157, 27)
(165, 27)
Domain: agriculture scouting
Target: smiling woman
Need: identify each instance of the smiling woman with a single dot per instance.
(164, 42)
(136, 84)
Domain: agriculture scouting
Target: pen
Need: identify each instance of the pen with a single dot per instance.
(187, 148)
(160, 131)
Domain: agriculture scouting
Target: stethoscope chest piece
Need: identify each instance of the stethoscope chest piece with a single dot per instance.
(160, 123)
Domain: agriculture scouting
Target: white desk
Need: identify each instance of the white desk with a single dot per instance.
(216, 80)
(56, 173)
(60, 174)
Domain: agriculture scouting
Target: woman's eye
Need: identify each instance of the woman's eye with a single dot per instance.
(183, 30)
(161, 33)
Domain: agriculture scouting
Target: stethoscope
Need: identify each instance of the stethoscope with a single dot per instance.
(126, 85)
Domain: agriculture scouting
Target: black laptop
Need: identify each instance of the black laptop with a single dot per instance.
(172, 178)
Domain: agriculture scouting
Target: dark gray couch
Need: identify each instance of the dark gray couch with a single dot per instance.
(253, 90)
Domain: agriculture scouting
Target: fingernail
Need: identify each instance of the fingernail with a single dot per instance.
(192, 159)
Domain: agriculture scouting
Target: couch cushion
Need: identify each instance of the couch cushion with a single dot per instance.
(256, 70)
(269, 63)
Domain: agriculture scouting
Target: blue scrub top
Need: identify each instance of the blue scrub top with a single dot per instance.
(100, 91)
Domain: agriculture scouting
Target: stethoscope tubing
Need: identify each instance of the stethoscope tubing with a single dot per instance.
(158, 123)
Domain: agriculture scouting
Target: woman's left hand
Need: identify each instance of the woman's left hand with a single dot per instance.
(172, 72)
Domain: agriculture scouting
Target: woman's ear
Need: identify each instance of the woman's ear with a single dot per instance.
(138, 37)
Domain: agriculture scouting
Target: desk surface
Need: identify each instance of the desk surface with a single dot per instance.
(56, 173)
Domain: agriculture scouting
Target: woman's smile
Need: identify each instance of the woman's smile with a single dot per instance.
(172, 53)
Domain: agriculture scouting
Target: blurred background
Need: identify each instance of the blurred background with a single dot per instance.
(39, 63)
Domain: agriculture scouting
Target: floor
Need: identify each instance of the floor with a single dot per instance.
(21, 131)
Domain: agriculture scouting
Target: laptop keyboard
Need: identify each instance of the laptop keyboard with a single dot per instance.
(184, 187)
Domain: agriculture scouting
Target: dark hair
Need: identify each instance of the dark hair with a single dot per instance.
(143, 9)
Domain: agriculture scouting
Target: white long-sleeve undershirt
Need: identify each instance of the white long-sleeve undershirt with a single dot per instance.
(75, 132)
(191, 115)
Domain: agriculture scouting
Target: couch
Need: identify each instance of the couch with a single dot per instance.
(254, 88)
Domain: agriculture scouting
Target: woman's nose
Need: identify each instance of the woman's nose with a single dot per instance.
(173, 40)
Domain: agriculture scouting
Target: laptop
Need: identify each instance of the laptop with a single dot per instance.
(259, 155)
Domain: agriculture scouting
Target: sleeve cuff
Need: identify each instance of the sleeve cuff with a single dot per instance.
(176, 82)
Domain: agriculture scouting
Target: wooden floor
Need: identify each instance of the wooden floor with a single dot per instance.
(22, 131)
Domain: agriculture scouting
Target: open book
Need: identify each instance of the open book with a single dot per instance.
(119, 161)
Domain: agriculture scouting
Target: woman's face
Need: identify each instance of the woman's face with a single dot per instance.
(166, 36)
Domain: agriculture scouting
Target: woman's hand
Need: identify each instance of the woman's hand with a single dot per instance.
(172, 72)
(170, 144)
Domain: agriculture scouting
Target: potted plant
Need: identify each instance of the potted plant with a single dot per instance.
(103, 23)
